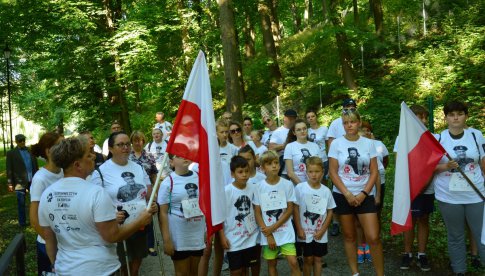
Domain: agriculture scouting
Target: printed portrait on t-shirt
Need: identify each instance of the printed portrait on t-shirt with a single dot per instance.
(131, 190)
(192, 190)
(312, 137)
(243, 206)
(310, 216)
(461, 158)
(306, 154)
(269, 139)
(355, 162)
(274, 214)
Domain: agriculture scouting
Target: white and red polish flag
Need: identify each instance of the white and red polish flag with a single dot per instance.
(194, 138)
(418, 153)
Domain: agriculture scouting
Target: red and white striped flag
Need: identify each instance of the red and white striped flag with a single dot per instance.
(194, 138)
(418, 153)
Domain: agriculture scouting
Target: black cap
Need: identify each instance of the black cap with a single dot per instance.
(463, 148)
(19, 137)
(189, 186)
(348, 102)
(291, 113)
(127, 174)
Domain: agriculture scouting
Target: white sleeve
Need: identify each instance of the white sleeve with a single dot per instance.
(96, 178)
(42, 214)
(332, 130)
(164, 191)
(290, 192)
(297, 194)
(333, 151)
(103, 207)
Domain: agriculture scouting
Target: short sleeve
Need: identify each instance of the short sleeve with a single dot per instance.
(103, 207)
(333, 151)
(36, 189)
(297, 193)
(42, 214)
(330, 202)
(290, 192)
(164, 191)
(372, 149)
(257, 200)
(287, 152)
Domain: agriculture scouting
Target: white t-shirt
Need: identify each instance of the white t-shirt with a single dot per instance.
(105, 151)
(277, 194)
(319, 136)
(186, 233)
(126, 185)
(299, 153)
(42, 179)
(266, 137)
(166, 127)
(354, 162)
(313, 205)
(258, 151)
(240, 225)
(228, 152)
(430, 189)
(157, 149)
(382, 152)
(279, 137)
(450, 187)
(71, 207)
(336, 129)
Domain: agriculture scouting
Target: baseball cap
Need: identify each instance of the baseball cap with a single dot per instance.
(348, 102)
(19, 137)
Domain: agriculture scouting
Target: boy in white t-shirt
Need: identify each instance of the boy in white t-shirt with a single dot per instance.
(181, 221)
(240, 229)
(273, 206)
(312, 214)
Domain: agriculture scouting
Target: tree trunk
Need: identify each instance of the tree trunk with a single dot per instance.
(376, 7)
(116, 90)
(269, 43)
(234, 91)
(296, 17)
(275, 23)
(249, 35)
(343, 48)
(356, 13)
(308, 14)
(325, 11)
(186, 46)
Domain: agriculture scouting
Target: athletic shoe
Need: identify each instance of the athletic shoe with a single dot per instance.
(335, 230)
(405, 261)
(423, 263)
(300, 262)
(360, 254)
(152, 252)
(367, 255)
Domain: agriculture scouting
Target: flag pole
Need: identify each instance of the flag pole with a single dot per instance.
(467, 179)
(157, 181)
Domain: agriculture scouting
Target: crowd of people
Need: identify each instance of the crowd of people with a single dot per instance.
(286, 189)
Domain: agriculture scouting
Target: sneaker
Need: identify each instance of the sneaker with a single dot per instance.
(152, 252)
(367, 255)
(300, 262)
(405, 261)
(423, 263)
(335, 230)
(324, 264)
(360, 255)
(476, 263)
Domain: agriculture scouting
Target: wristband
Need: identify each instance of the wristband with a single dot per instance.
(365, 193)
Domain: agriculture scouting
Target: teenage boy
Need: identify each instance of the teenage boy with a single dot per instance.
(312, 214)
(421, 207)
(240, 231)
(226, 149)
(273, 205)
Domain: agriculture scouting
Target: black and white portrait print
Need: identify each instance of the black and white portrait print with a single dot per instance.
(312, 137)
(131, 190)
(274, 215)
(192, 190)
(243, 206)
(461, 158)
(311, 216)
(305, 155)
(354, 161)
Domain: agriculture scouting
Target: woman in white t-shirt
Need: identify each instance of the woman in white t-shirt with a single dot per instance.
(235, 135)
(318, 134)
(42, 179)
(353, 170)
(457, 200)
(129, 187)
(78, 219)
(298, 149)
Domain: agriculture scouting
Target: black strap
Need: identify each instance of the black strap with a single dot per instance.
(100, 175)
(478, 148)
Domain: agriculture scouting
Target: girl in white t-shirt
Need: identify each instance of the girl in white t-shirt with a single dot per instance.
(353, 170)
(317, 134)
(42, 179)
(256, 143)
(297, 151)
(181, 220)
(312, 215)
(226, 149)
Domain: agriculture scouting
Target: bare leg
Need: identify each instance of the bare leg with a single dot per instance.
(370, 226)
(348, 230)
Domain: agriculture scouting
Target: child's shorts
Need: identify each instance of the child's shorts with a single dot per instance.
(313, 249)
(287, 249)
(243, 258)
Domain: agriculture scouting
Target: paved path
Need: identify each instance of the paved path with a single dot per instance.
(336, 260)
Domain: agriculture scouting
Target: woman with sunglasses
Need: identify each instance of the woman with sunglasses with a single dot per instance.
(353, 170)
(129, 187)
(235, 135)
(271, 125)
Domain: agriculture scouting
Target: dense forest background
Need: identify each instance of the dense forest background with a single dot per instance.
(90, 62)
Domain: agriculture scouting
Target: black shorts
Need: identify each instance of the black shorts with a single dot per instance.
(313, 249)
(243, 258)
(136, 246)
(182, 255)
(343, 207)
(422, 205)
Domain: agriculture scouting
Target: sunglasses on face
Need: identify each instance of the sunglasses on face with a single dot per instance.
(236, 130)
(349, 110)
